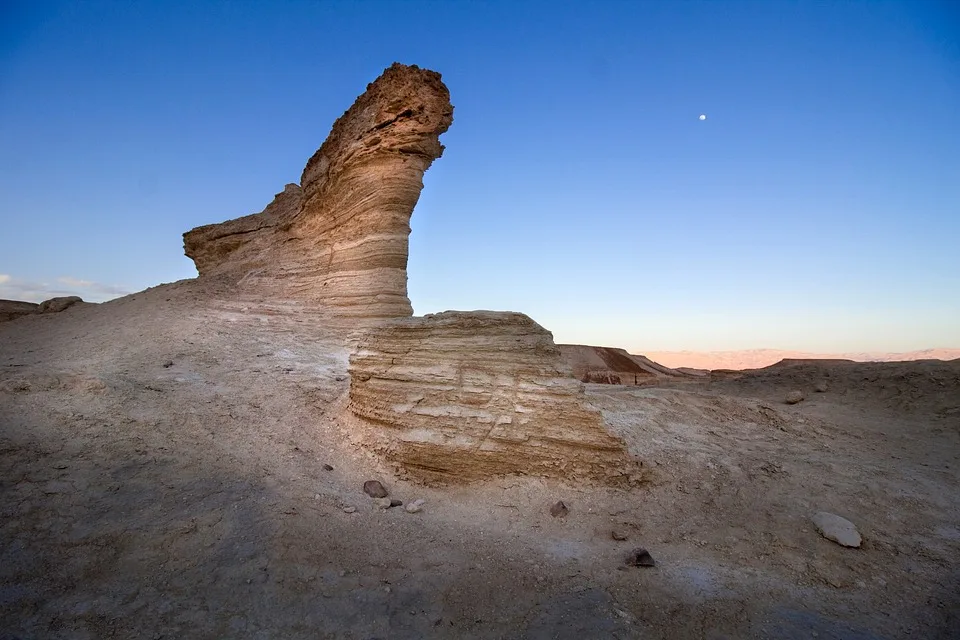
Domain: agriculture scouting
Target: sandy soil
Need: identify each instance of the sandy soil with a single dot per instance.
(161, 460)
(756, 358)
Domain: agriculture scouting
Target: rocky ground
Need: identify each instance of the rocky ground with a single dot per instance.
(176, 464)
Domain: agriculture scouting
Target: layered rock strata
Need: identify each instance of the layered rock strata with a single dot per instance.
(341, 236)
(461, 396)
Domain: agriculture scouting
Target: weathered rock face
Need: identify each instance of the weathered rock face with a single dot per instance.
(461, 396)
(56, 305)
(341, 237)
(10, 309)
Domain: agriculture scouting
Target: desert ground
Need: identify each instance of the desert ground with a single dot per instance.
(162, 465)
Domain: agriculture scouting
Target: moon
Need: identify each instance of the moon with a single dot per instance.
(703, 116)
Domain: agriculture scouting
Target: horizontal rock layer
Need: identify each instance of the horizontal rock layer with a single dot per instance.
(460, 396)
(341, 236)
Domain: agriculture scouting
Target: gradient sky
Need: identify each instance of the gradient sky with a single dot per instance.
(816, 208)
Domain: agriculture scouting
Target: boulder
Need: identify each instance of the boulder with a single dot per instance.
(840, 530)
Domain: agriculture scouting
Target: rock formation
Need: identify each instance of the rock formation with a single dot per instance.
(10, 309)
(468, 395)
(341, 236)
(56, 305)
(452, 396)
(606, 365)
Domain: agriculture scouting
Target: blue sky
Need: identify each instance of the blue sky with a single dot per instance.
(817, 207)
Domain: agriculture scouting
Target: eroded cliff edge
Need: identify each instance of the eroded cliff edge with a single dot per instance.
(461, 396)
(340, 238)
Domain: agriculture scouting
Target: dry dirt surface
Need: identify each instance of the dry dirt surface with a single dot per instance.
(162, 466)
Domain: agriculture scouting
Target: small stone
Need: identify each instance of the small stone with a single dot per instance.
(349, 509)
(342, 573)
(416, 506)
(618, 535)
(168, 364)
(384, 503)
(396, 503)
(794, 397)
(640, 557)
(374, 489)
(327, 467)
(341, 378)
(821, 387)
(559, 510)
(840, 530)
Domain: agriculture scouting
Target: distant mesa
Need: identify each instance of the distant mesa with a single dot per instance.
(340, 238)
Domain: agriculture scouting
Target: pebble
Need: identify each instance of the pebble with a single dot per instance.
(618, 535)
(640, 557)
(327, 467)
(349, 509)
(821, 387)
(840, 530)
(559, 510)
(384, 503)
(396, 503)
(374, 489)
(168, 364)
(416, 506)
(794, 397)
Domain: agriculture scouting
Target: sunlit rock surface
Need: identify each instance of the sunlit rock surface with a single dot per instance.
(469, 395)
(341, 237)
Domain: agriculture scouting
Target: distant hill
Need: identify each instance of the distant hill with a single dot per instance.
(757, 358)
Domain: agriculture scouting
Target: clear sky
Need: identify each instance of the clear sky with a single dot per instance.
(817, 207)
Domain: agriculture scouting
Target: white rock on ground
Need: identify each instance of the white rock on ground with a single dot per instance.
(840, 530)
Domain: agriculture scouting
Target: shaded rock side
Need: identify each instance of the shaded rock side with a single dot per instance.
(10, 309)
(606, 365)
(341, 236)
(56, 305)
(460, 396)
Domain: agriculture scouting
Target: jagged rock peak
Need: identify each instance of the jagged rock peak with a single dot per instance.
(341, 236)
(461, 396)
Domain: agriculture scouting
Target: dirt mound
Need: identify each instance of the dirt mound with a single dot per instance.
(606, 365)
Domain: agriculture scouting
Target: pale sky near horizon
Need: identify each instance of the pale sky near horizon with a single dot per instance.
(816, 208)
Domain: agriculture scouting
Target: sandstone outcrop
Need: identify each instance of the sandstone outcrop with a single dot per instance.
(340, 238)
(460, 396)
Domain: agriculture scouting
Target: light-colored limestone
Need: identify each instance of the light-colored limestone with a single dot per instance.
(340, 238)
(460, 396)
